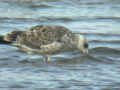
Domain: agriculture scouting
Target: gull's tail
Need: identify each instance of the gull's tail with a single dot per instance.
(3, 41)
(10, 37)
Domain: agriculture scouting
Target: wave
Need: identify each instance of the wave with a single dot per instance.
(39, 19)
(105, 41)
(106, 50)
(97, 34)
(60, 18)
(41, 6)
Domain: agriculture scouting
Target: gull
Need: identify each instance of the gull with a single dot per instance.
(46, 40)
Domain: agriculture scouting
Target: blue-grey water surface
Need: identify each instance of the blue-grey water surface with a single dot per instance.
(97, 20)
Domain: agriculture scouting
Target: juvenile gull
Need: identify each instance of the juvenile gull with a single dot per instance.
(46, 40)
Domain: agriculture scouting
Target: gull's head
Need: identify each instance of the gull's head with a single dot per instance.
(82, 44)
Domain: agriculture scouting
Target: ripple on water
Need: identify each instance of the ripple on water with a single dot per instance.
(96, 20)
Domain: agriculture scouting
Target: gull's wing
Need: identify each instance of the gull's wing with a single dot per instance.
(43, 37)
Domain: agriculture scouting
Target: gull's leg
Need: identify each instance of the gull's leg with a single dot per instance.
(47, 58)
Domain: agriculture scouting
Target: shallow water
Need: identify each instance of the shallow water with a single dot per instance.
(97, 20)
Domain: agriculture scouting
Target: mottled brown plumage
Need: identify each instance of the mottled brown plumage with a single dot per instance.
(46, 40)
(43, 35)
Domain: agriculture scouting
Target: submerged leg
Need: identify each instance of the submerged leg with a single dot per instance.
(47, 58)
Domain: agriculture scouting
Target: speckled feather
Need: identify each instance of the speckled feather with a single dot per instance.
(48, 39)
(44, 35)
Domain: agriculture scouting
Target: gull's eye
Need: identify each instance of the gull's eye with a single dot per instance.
(86, 45)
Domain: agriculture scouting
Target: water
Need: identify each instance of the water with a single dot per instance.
(97, 20)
